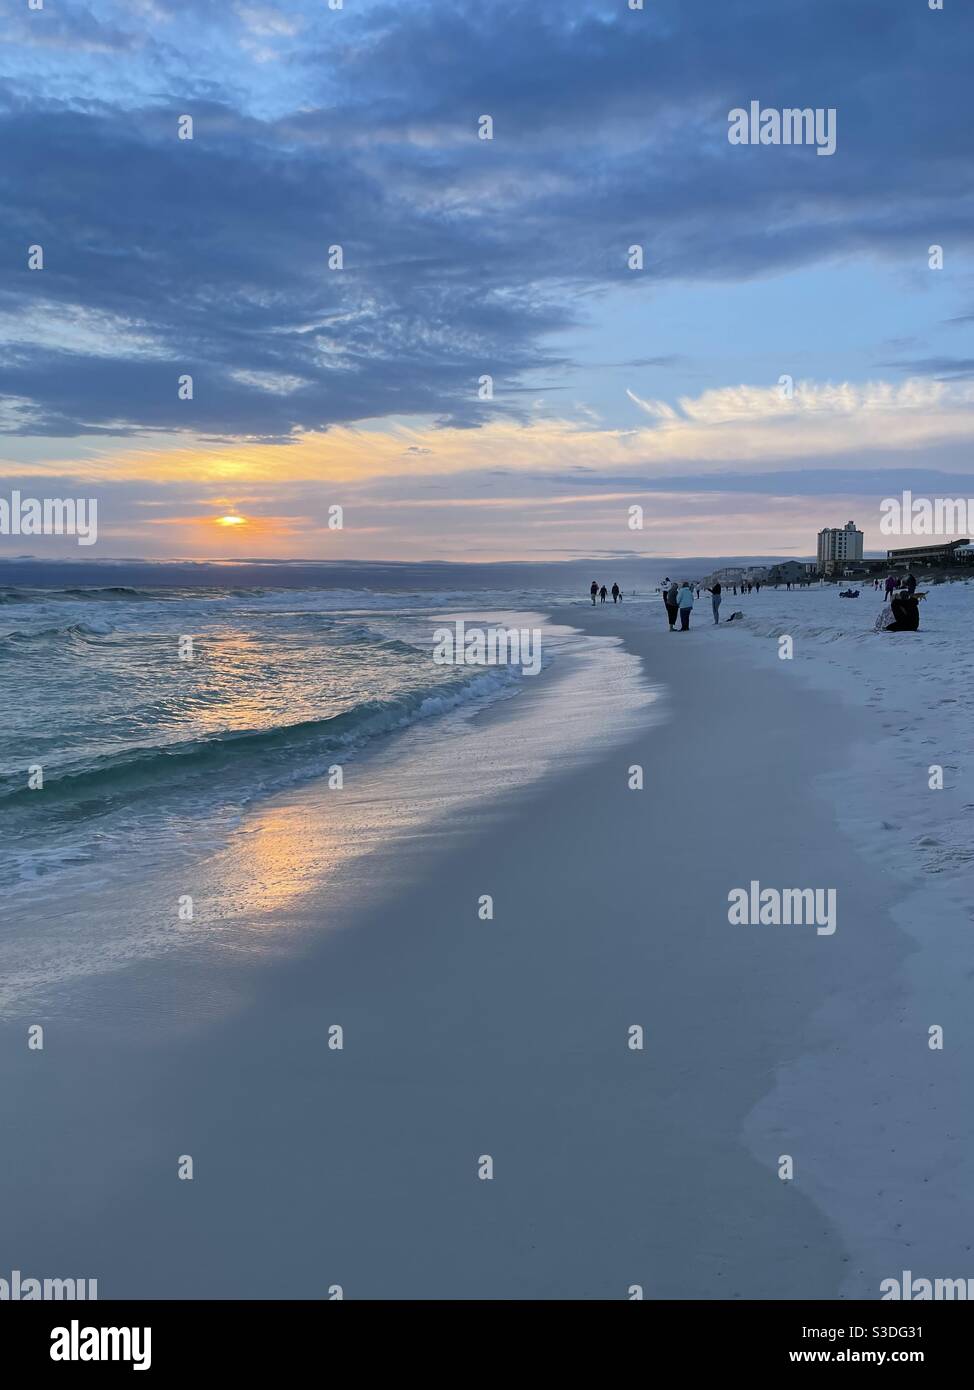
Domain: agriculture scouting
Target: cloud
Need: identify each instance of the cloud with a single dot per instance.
(944, 368)
(744, 430)
(462, 257)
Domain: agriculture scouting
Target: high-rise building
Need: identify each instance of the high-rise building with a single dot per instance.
(837, 544)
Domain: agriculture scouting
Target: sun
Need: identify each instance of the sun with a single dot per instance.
(231, 521)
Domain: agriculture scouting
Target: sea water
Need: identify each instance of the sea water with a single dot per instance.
(150, 731)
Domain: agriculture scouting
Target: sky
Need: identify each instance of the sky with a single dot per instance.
(790, 353)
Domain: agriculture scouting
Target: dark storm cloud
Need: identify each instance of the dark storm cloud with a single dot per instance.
(209, 257)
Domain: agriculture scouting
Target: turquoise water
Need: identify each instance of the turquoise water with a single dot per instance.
(133, 740)
(210, 777)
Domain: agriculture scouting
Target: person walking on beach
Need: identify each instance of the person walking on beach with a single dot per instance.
(603, 594)
(669, 598)
(594, 591)
(684, 601)
(715, 601)
(616, 593)
(890, 586)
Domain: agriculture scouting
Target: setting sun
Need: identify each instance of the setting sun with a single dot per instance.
(231, 521)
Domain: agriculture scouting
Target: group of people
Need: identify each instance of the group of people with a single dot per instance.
(900, 613)
(679, 602)
(892, 584)
(602, 594)
(901, 609)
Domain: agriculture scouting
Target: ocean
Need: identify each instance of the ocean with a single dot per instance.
(147, 724)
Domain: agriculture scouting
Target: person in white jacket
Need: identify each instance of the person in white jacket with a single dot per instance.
(684, 601)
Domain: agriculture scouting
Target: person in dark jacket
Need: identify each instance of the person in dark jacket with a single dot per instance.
(906, 612)
(669, 598)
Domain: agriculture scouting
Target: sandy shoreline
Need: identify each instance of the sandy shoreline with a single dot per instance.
(507, 1038)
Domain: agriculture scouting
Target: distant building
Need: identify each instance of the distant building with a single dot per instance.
(788, 572)
(838, 545)
(946, 553)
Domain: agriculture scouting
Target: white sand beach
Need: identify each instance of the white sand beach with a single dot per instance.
(509, 1038)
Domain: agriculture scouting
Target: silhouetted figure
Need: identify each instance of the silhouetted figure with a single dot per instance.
(906, 612)
(616, 593)
(715, 601)
(669, 598)
(594, 591)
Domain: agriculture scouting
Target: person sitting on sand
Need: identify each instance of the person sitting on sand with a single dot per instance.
(905, 608)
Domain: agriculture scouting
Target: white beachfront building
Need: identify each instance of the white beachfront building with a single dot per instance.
(837, 545)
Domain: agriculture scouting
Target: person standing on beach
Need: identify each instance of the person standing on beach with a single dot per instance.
(911, 582)
(890, 586)
(616, 593)
(715, 600)
(594, 591)
(684, 602)
(669, 598)
(603, 594)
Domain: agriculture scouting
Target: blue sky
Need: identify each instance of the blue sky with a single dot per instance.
(463, 257)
